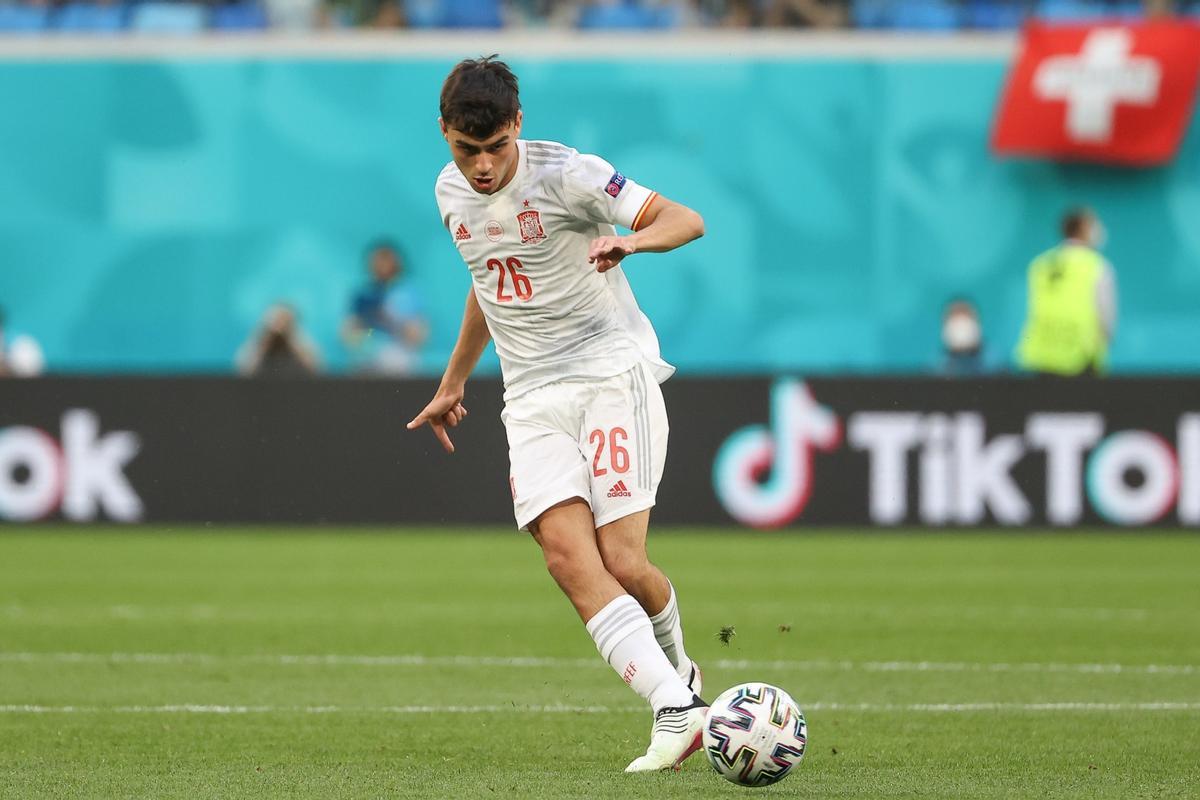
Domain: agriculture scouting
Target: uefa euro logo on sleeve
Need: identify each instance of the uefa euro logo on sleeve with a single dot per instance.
(615, 184)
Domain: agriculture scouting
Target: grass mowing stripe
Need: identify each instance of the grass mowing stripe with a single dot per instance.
(951, 708)
(541, 662)
(909, 652)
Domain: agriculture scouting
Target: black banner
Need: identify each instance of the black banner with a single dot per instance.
(762, 452)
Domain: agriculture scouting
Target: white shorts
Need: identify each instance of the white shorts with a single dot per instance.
(602, 439)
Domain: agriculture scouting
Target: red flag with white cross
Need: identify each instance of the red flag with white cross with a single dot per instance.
(1120, 93)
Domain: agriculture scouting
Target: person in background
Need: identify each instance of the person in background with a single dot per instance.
(1072, 303)
(962, 339)
(21, 356)
(278, 347)
(806, 14)
(386, 327)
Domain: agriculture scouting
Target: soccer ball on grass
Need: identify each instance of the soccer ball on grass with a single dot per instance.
(754, 734)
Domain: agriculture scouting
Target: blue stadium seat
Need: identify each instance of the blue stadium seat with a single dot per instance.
(1129, 10)
(994, 14)
(871, 13)
(926, 15)
(1064, 10)
(246, 16)
(23, 19)
(471, 14)
(170, 18)
(89, 18)
(625, 15)
(423, 13)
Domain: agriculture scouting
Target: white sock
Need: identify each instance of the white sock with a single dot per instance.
(625, 638)
(669, 634)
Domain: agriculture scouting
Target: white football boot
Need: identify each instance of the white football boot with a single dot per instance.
(675, 736)
(694, 680)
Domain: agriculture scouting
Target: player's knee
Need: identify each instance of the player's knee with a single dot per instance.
(558, 562)
(626, 564)
(563, 559)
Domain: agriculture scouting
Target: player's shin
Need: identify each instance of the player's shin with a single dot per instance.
(625, 638)
(669, 633)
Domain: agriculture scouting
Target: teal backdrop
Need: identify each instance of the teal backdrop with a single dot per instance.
(150, 211)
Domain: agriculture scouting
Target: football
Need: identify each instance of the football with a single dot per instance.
(754, 734)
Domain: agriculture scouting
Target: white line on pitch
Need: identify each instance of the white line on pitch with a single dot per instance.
(414, 660)
(944, 708)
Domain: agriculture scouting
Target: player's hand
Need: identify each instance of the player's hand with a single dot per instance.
(607, 251)
(444, 410)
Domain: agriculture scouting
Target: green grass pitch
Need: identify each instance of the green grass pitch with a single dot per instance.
(321, 663)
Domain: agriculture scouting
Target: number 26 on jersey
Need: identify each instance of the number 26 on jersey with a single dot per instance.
(519, 281)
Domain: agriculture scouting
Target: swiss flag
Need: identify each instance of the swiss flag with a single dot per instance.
(1118, 93)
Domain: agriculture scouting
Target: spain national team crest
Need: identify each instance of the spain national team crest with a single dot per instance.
(530, 223)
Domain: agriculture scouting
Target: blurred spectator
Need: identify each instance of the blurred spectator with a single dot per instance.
(363, 14)
(386, 326)
(278, 348)
(1072, 305)
(21, 356)
(731, 13)
(294, 15)
(962, 338)
(806, 13)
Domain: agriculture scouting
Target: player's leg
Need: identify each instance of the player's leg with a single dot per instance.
(629, 456)
(619, 626)
(549, 481)
(623, 550)
(564, 532)
(624, 437)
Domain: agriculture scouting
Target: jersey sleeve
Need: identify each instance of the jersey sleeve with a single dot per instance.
(441, 204)
(594, 190)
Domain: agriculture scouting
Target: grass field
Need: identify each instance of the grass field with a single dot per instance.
(220, 663)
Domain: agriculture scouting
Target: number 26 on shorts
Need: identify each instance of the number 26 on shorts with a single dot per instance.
(618, 456)
(520, 283)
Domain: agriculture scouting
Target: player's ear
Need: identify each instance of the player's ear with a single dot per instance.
(517, 125)
(445, 130)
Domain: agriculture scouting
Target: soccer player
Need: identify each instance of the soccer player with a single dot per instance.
(587, 428)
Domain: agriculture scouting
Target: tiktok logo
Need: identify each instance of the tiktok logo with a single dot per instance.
(763, 475)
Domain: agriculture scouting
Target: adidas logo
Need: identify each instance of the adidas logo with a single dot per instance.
(462, 234)
(619, 490)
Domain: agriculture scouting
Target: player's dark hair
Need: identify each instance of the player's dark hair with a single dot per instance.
(480, 97)
(1074, 221)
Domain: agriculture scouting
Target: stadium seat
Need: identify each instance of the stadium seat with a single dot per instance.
(23, 19)
(926, 15)
(169, 18)
(1129, 10)
(248, 16)
(1071, 10)
(89, 18)
(471, 14)
(871, 13)
(423, 13)
(619, 16)
(994, 14)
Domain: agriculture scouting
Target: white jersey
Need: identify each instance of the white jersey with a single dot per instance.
(552, 316)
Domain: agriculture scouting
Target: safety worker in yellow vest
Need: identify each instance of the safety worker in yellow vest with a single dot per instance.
(1072, 306)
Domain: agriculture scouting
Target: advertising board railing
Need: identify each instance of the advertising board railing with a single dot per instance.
(762, 452)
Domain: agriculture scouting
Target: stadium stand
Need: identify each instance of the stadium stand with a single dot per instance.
(171, 16)
(90, 18)
(168, 18)
(248, 16)
(21, 18)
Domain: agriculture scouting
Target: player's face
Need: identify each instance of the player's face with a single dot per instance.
(490, 163)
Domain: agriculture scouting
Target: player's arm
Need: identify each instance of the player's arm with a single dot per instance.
(662, 226)
(446, 408)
